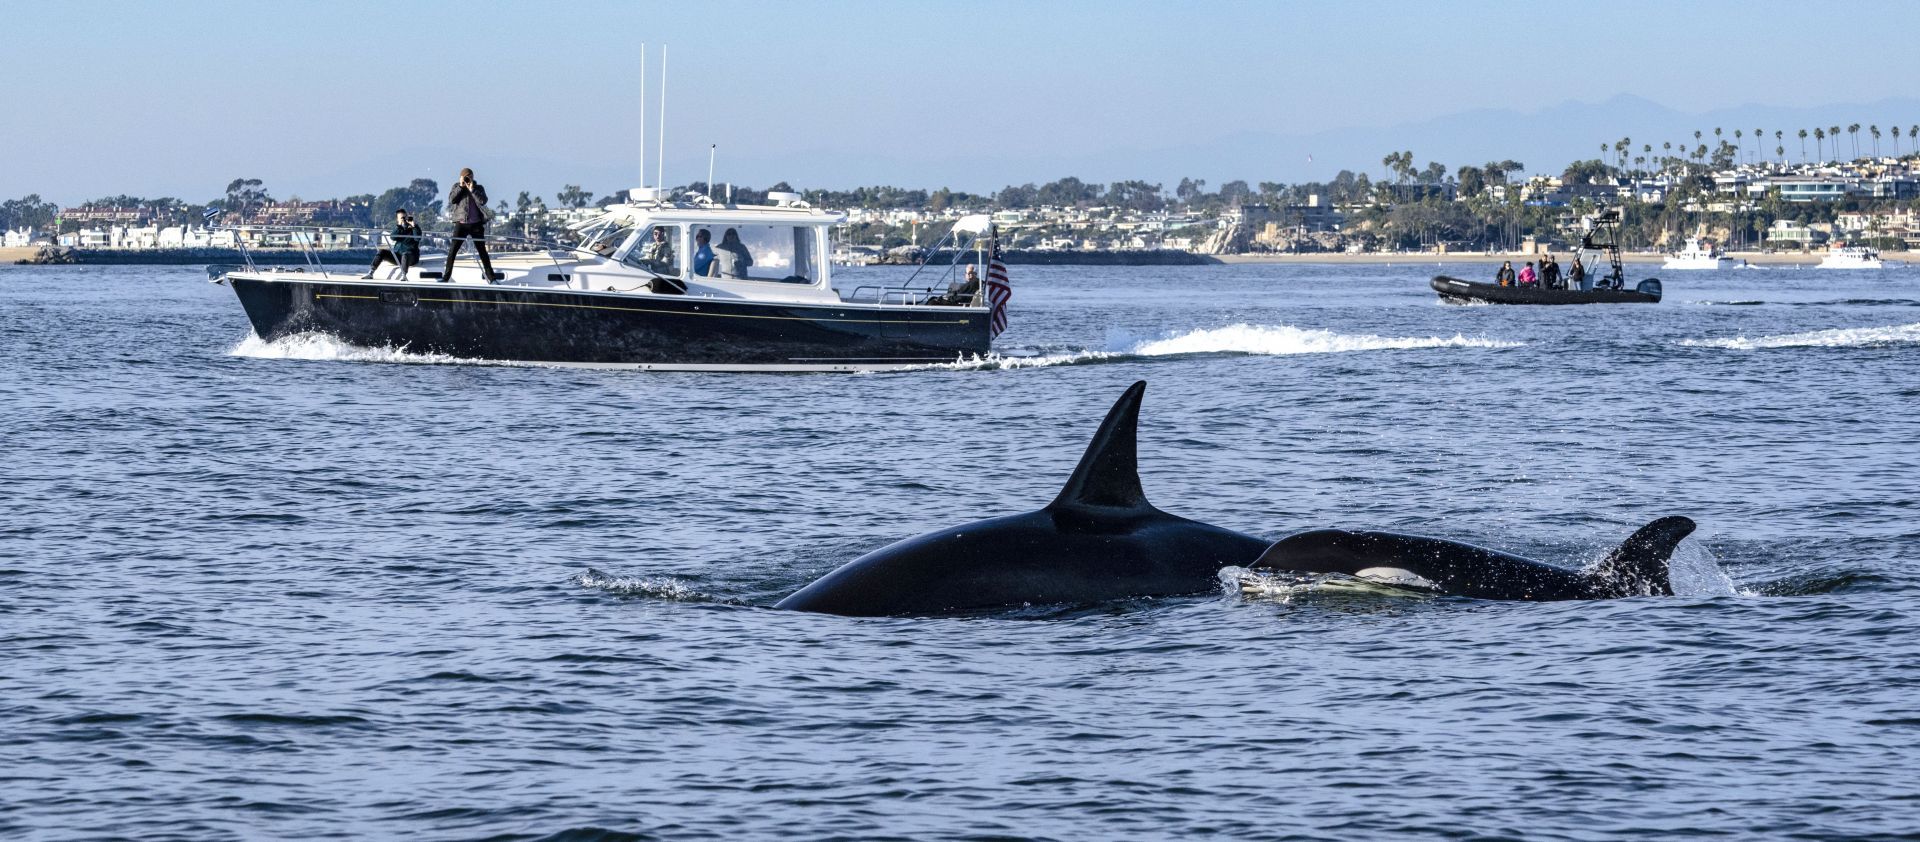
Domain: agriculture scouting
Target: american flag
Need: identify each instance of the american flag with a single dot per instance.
(998, 291)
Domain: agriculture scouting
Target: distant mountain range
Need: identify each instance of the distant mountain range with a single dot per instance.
(1546, 140)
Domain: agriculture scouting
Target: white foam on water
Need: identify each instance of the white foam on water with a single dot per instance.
(1693, 571)
(1248, 339)
(1846, 337)
(321, 346)
(669, 588)
(1282, 340)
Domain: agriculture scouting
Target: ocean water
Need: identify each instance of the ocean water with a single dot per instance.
(301, 590)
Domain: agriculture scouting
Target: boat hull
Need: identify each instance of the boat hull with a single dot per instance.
(572, 327)
(1454, 290)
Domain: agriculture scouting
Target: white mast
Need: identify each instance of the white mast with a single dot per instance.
(660, 169)
(712, 150)
(642, 114)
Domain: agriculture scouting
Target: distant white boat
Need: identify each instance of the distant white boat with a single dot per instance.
(1695, 256)
(1851, 257)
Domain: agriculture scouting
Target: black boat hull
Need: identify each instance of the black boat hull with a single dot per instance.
(573, 327)
(1456, 291)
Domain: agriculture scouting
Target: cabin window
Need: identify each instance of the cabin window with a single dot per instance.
(658, 251)
(782, 253)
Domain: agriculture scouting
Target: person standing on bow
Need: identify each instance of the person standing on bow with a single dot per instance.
(467, 210)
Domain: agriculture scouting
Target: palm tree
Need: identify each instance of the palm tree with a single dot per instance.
(1740, 137)
(1913, 134)
(1834, 133)
(1896, 141)
(1853, 134)
(1803, 146)
(1875, 131)
(1780, 140)
(1818, 136)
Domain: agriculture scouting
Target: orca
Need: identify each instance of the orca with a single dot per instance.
(1638, 567)
(1098, 540)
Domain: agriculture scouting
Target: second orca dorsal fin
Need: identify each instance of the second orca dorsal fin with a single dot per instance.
(1108, 476)
(1641, 565)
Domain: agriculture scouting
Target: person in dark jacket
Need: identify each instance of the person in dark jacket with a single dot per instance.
(1504, 277)
(1577, 276)
(1550, 273)
(406, 246)
(466, 209)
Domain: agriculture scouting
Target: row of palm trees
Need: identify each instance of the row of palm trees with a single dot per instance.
(1621, 148)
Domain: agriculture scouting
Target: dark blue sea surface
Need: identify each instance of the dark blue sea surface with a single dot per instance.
(301, 590)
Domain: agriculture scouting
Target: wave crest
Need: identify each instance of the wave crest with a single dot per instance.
(1846, 337)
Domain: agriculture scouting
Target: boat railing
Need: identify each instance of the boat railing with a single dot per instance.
(308, 240)
(889, 294)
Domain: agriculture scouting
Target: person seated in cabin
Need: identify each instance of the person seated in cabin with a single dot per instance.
(1577, 276)
(961, 292)
(1550, 273)
(1527, 276)
(1504, 277)
(731, 256)
(702, 254)
(658, 253)
(406, 246)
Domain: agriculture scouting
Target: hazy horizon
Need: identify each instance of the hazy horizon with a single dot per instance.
(356, 97)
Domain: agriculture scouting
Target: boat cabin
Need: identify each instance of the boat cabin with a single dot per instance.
(777, 251)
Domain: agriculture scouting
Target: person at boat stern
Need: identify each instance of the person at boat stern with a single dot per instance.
(406, 246)
(467, 210)
(1577, 276)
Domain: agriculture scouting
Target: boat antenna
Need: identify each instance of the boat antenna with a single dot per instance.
(712, 150)
(642, 114)
(660, 167)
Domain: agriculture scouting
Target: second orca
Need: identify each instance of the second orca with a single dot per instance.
(1640, 566)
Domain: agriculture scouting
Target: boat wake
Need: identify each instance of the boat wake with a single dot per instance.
(1849, 337)
(1240, 339)
(321, 346)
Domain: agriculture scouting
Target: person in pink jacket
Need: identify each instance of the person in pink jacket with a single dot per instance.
(1527, 277)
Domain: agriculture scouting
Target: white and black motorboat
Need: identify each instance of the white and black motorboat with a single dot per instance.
(625, 294)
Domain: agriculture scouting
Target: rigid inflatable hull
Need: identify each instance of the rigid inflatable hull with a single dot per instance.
(1458, 291)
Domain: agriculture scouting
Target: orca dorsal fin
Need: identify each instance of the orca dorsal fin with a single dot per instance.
(1109, 472)
(1640, 566)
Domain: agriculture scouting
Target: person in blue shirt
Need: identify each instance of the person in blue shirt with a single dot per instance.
(702, 253)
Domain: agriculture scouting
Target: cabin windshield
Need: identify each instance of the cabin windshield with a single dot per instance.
(780, 253)
(606, 238)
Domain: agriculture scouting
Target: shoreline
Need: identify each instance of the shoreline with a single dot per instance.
(1755, 258)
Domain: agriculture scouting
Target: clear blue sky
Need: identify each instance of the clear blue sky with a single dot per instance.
(344, 97)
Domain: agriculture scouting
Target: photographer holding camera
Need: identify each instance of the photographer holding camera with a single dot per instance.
(467, 210)
(406, 246)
